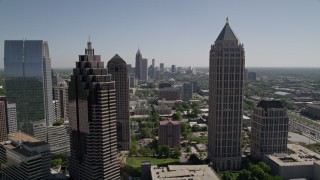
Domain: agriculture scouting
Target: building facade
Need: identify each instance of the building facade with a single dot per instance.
(3, 119)
(117, 67)
(12, 118)
(92, 105)
(27, 68)
(226, 81)
(269, 129)
(169, 94)
(186, 91)
(24, 157)
(60, 94)
(169, 133)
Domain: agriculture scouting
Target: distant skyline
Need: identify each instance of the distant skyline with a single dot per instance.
(274, 33)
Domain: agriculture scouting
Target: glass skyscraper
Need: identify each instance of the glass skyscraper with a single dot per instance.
(27, 67)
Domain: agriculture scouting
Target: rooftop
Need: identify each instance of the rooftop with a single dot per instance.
(267, 104)
(298, 155)
(183, 172)
(165, 122)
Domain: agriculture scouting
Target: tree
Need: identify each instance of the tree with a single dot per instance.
(164, 151)
(265, 167)
(145, 132)
(244, 175)
(227, 176)
(177, 116)
(56, 162)
(176, 153)
(133, 149)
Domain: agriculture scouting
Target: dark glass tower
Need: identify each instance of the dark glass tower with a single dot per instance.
(27, 67)
(117, 67)
(227, 60)
(92, 108)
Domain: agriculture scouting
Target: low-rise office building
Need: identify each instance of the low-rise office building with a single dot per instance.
(183, 172)
(298, 163)
(24, 157)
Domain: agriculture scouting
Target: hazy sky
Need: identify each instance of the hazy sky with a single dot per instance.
(275, 33)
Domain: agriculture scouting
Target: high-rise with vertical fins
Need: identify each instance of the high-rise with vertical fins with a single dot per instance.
(92, 107)
(227, 60)
(117, 67)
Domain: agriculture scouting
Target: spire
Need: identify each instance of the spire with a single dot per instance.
(138, 52)
(89, 50)
(227, 33)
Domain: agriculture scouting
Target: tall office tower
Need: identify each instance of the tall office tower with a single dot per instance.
(3, 119)
(227, 61)
(12, 118)
(92, 105)
(153, 68)
(24, 157)
(117, 67)
(27, 68)
(144, 70)
(173, 68)
(186, 91)
(161, 66)
(138, 64)
(60, 94)
(269, 125)
(56, 110)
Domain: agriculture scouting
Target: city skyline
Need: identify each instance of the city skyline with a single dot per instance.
(162, 33)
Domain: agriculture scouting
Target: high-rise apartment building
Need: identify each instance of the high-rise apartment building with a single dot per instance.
(92, 109)
(227, 61)
(269, 128)
(169, 133)
(3, 119)
(24, 157)
(27, 68)
(12, 118)
(117, 67)
(186, 91)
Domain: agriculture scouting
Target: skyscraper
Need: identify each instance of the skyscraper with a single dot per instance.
(60, 94)
(161, 66)
(92, 104)
(138, 64)
(269, 126)
(27, 68)
(117, 67)
(227, 61)
(3, 119)
(144, 70)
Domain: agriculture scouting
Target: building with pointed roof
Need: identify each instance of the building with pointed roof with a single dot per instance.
(227, 59)
(117, 67)
(92, 104)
